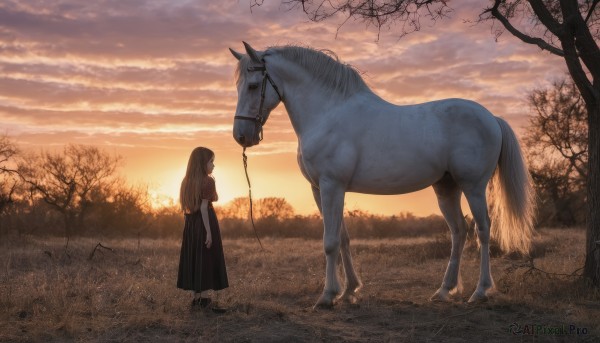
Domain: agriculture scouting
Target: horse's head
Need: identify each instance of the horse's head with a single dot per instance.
(257, 96)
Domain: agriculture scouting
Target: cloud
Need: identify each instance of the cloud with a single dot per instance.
(157, 74)
(154, 62)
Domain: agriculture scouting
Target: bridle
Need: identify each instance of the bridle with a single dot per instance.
(260, 120)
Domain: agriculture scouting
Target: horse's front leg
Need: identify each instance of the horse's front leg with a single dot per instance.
(353, 283)
(332, 202)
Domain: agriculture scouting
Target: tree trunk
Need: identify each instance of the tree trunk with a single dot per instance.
(592, 259)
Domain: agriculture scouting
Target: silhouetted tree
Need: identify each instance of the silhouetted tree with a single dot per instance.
(569, 29)
(123, 210)
(70, 182)
(8, 182)
(556, 145)
(8, 178)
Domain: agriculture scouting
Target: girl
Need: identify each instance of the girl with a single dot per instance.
(201, 263)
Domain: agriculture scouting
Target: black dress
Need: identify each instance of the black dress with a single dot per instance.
(202, 268)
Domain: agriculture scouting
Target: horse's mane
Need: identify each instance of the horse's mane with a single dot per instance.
(323, 65)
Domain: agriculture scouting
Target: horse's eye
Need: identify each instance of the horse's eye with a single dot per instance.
(253, 85)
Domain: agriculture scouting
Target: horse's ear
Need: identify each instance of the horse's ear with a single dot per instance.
(236, 54)
(252, 53)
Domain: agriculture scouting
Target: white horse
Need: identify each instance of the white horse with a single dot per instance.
(351, 140)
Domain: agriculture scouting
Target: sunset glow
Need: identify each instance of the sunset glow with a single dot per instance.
(151, 80)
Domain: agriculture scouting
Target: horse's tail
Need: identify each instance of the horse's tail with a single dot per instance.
(512, 196)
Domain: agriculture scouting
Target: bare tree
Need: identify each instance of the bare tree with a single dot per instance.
(569, 29)
(8, 182)
(71, 181)
(8, 178)
(559, 126)
(556, 142)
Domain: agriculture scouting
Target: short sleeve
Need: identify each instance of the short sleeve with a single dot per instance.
(209, 190)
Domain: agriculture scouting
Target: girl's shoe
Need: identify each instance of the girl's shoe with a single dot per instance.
(204, 302)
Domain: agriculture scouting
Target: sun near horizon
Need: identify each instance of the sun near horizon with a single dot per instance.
(267, 181)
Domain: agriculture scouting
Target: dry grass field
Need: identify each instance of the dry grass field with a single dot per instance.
(129, 294)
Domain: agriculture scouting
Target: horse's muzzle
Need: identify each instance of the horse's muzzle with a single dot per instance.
(244, 141)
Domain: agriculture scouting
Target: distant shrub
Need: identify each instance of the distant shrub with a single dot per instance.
(359, 224)
(130, 216)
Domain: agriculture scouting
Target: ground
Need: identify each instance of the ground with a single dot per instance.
(129, 293)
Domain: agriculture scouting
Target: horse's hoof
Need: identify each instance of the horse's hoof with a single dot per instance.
(323, 306)
(456, 291)
(324, 303)
(441, 295)
(353, 288)
(349, 298)
(478, 298)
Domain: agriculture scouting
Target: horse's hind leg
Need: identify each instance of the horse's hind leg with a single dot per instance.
(448, 194)
(478, 205)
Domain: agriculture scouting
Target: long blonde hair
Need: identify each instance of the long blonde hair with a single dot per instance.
(191, 187)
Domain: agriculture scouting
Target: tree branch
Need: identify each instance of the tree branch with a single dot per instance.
(99, 245)
(541, 11)
(587, 48)
(495, 12)
(572, 56)
(591, 11)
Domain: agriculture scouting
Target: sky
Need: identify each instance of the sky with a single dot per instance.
(149, 80)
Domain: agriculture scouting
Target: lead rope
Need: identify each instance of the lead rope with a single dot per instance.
(245, 160)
